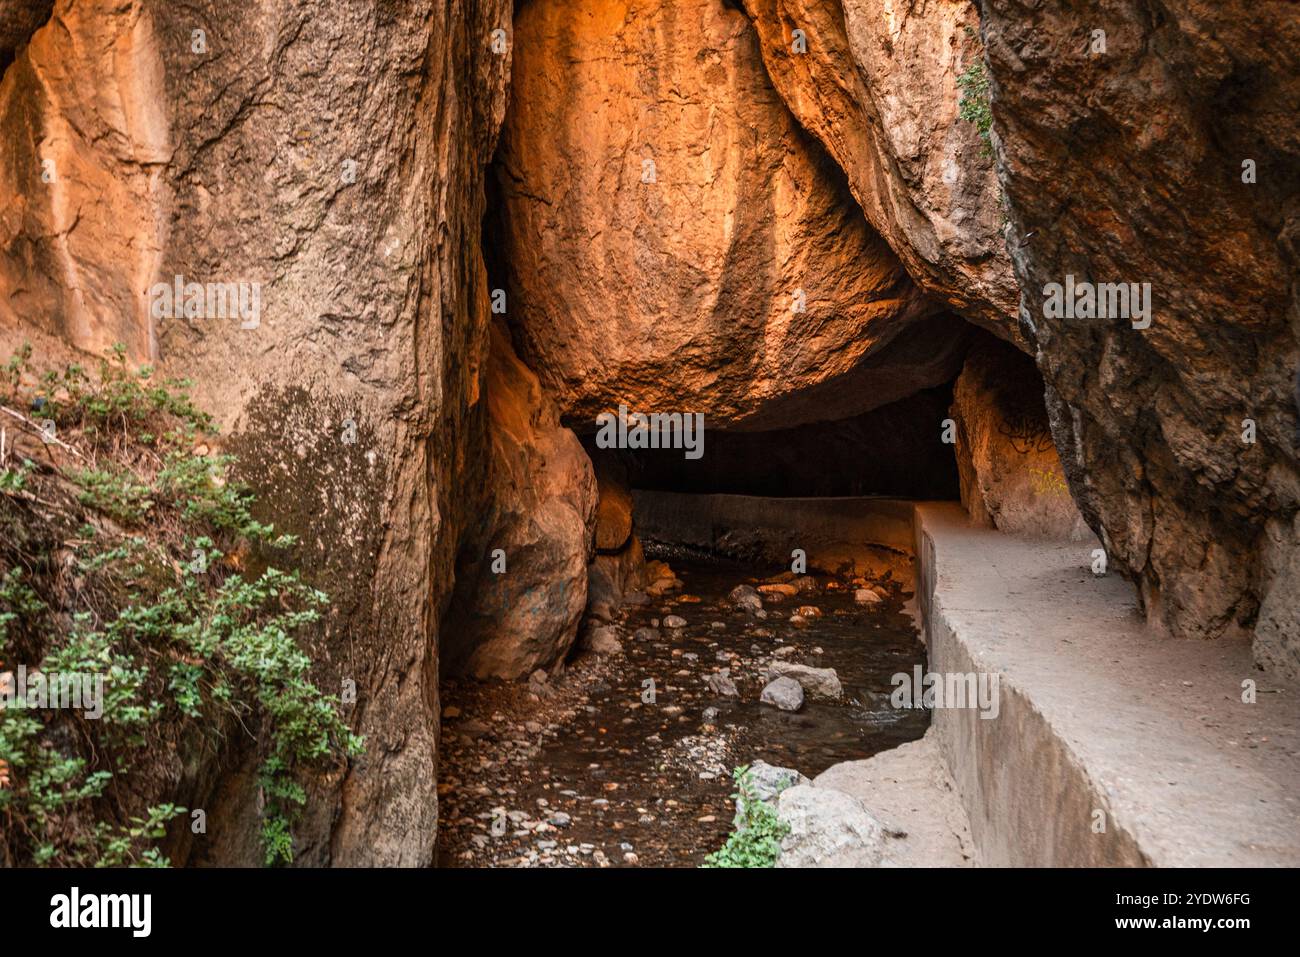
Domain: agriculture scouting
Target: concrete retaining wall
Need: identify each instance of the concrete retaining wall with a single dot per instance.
(1112, 746)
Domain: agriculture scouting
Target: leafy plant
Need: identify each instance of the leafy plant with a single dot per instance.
(756, 841)
(973, 106)
(188, 643)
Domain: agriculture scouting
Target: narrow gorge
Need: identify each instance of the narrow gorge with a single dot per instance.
(650, 433)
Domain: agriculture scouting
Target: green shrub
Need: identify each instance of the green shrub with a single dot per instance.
(188, 641)
(756, 842)
(974, 104)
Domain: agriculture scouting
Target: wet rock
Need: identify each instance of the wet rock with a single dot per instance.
(818, 682)
(784, 693)
(745, 598)
(828, 828)
(646, 634)
(865, 596)
(767, 781)
(662, 587)
(809, 611)
(720, 683)
(662, 579)
(674, 621)
(782, 588)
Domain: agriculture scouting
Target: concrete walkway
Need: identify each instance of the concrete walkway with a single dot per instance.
(1102, 723)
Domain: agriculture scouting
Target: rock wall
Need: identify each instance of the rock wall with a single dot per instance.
(19, 19)
(522, 579)
(674, 240)
(1165, 149)
(338, 161)
(619, 563)
(1011, 476)
(876, 81)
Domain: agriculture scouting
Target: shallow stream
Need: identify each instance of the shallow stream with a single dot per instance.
(601, 772)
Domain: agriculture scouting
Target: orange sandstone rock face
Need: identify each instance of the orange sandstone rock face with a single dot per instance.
(1011, 476)
(335, 157)
(522, 584)
(83, 217)
(675, 241)
(875, 81)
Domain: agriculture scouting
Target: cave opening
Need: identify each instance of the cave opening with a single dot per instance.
(630, 624)
(895, 451)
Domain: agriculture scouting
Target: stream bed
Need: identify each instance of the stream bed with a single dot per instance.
(626, 760)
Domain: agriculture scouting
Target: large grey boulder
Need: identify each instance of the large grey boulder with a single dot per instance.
(783, 693)
(818, 682)
(828, 828)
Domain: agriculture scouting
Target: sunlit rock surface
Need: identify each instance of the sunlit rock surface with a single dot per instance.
(675, 241)
(876, 82)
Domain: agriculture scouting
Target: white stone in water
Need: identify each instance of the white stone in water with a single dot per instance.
(783, 693)
(818, 682)
(674, 621)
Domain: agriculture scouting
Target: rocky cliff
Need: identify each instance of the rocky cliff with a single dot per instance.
(779, 213)
(337, 162)
(675, 241)
(1149, 142)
